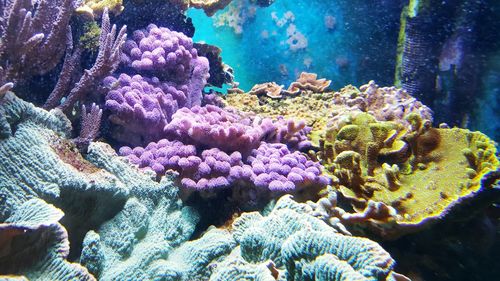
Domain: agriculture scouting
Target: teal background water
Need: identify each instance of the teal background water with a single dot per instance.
(339, 47)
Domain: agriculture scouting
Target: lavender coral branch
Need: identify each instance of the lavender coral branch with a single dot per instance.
(270, 166)
(212, 126)
(106, 62)
(141, 106)
(63, 86)
(170, 56)
(91, 122)
(33, 36)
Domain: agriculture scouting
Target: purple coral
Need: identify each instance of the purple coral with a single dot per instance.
(209, 146)
(212, 168)
(270, 166)
(161, 156)
(278, 169)
(170, 56)
(290, 132)
(216, 127)
(142, 106)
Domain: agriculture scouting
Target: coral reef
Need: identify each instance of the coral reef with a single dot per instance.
(107, 60)
(309, 82)
(141, 243)
(172, 77)
(300, 247)
(35, 36)
(141, 107)
(140, 227)
(270, 89)
(378, 144)
(39, 161)
(209, 6)
(168, 55)
(269, 166)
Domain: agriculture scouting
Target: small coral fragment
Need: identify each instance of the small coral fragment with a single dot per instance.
(309, 82)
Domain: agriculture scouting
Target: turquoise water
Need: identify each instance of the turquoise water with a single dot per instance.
(256, 41)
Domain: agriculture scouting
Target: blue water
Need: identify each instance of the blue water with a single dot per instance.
(336, 45)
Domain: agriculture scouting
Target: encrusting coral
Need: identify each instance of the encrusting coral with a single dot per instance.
(209, 6)
(142, 243)
(300, 247)
(383, 154)
(309, 82)
(34, 244)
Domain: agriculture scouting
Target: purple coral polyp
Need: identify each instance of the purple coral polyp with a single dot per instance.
(158, 50)
(270, 166)
(213, 126)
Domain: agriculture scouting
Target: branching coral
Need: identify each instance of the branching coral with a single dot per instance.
(172, 76)
(33, 36)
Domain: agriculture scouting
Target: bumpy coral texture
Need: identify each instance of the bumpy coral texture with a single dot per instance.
(148, 240)
(169, 75)
(329, 108)
(212, 126)
(300, 247)
(170, 56)
(270, 166)
(142, 106)
(49, 165)
(147, 236)
(417, 174)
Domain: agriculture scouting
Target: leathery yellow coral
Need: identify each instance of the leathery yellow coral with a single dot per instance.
(93, 8)
(419, 171)
(209, 6)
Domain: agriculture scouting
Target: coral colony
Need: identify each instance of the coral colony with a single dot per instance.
(298, 175)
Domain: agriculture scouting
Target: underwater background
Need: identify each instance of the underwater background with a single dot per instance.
(249, 140)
